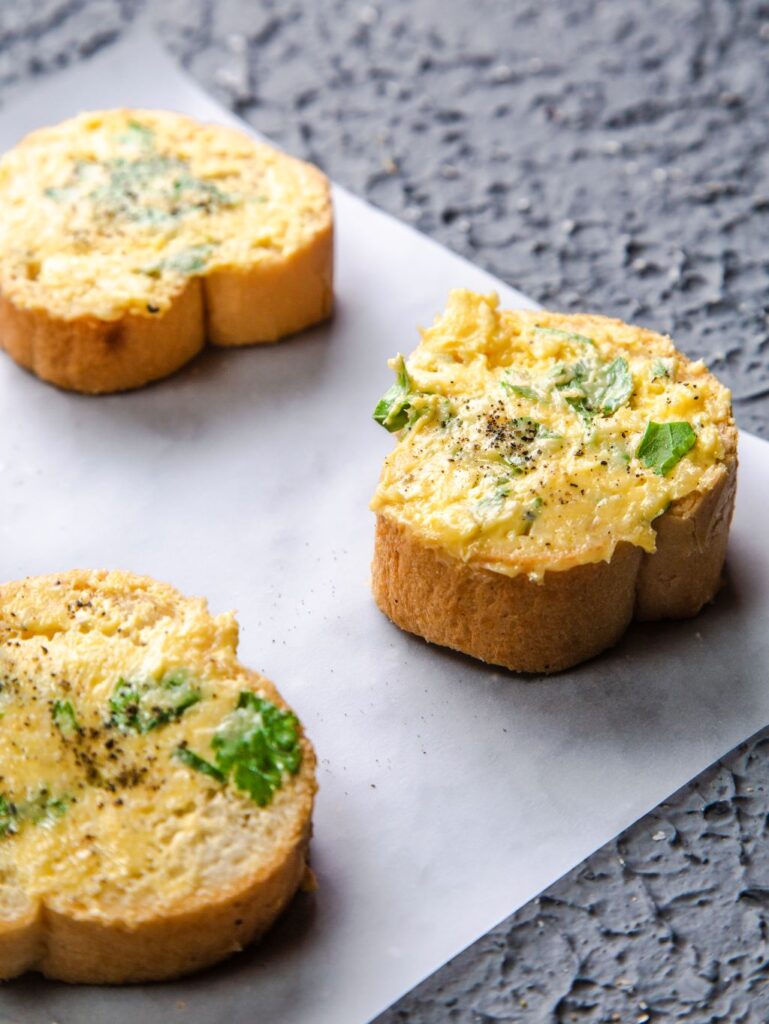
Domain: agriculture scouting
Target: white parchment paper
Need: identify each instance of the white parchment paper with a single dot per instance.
(450, 793)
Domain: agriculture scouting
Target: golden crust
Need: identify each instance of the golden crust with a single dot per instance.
(570, 616)
(76, 939)
(272, 299)
(94, 952)
(684, 573)
(504, 620)
(97, 356)
(113, 952)
(228, 308)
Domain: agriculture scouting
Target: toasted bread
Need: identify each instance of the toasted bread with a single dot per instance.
(155, 795)
(554, 477)
(130, 237)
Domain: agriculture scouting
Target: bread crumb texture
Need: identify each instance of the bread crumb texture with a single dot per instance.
(113, 212)
(524, 440)
(134, 843)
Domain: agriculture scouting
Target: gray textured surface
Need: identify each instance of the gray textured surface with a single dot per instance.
(611, 156)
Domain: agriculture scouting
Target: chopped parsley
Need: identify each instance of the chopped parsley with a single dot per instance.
(137, 134)
(193, 760)
(593, 388)
(530, 513)
(188, 261)
(141, 707)
(664, 445)
(393, 410)
(9, 821)
(254, 746)
(65, 719)
(660, 369)
(59, 194)
(568, 335)
(41, 809)
(612, 386)
(520, 389)
(494, 502)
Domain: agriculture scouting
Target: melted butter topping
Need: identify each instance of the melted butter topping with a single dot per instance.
(90, 779)
(520, 453)
(113, 211)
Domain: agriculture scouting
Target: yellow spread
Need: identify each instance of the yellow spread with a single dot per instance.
(521, 448)
(111, 212)
(101, 810)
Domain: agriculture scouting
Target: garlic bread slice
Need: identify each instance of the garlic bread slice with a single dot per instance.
(155, 795)
(554, 476)
(130, 237)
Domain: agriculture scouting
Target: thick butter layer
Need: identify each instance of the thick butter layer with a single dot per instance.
(111, 212)
(577, 495)
(118, 834)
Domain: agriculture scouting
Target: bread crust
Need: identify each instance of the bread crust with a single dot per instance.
(228, 308)
(96, 356)
(572, 615)
(274, 298)
(684, 573)
(21, 943)
(97, 952)
(89, 942)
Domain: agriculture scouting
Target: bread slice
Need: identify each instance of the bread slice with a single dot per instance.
(130, 237)
(155, 795)
(555, 476)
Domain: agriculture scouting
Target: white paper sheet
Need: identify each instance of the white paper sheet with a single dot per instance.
(450, 793)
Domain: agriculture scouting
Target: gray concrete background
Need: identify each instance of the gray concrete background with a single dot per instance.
(610, 156)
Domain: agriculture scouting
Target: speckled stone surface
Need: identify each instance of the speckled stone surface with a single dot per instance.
(611, 156)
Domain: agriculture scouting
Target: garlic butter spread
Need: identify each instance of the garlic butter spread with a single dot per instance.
(111, 212)
(532, 441)
(122, 731)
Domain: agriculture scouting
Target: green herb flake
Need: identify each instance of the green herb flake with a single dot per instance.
(9, 823)
(43, 809)
(494, 502)
(659, 369)
(188, 261)
(256, 745)
(530, 513)
(612, 386)
(141, 707)
(258, 784)
(545, 434)
(582, 339)
(260, 742)
(664, 445)
(65, 719)
(597, 388)
(393, 409)
(137, 134)
(59, 193)
(199, 764)
(520, 389)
